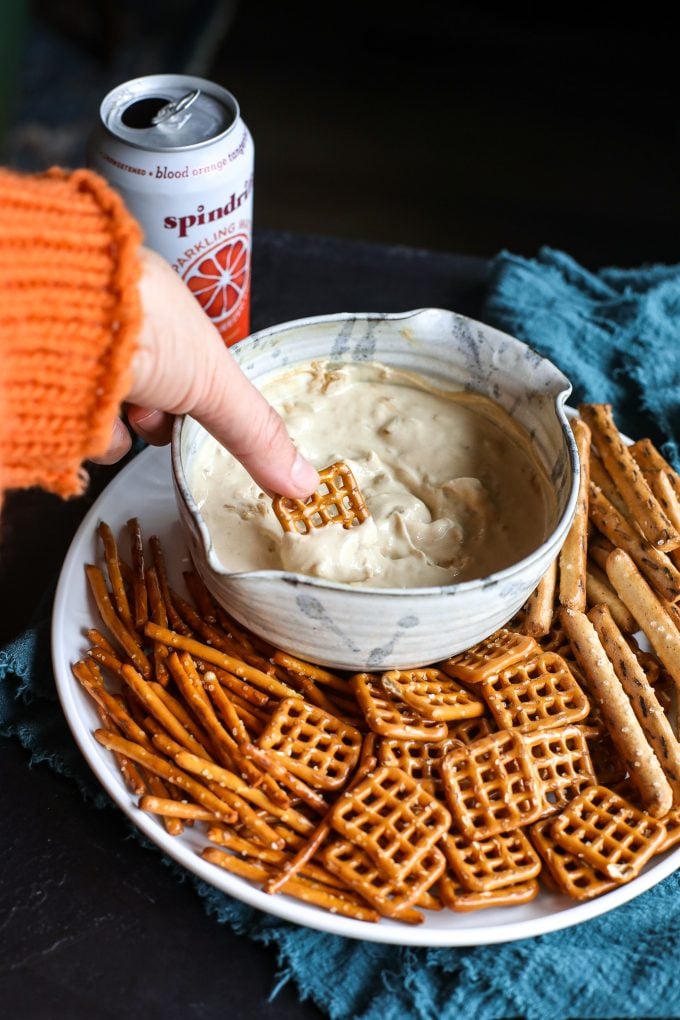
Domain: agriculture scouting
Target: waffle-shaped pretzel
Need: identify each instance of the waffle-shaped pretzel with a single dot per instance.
(562, 760)
(338, 500)
(391, 718)
(492, 786)
(540, 692)
(433, 694)
(672, 837)
(420, 759)
(489, 656)
(462, 900)
(469, 730)
(391, 899)
(608, 832)
(392, 818)
(312, 744)
(491, 863)
(569, 874)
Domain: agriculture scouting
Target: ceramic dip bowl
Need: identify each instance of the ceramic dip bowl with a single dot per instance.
(360, 628)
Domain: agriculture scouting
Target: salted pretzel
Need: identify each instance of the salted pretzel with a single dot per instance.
(392, 818)
(489, 656)
(338, 500)
(469, 730)
(492, 863)
(562, 760)
(608, 833)
(420, 759)
(394, 899)
(535, 693)
(456, 897)
(313, 744)
(392, 718)
(433, 694)
(492, 786)
(570, 874)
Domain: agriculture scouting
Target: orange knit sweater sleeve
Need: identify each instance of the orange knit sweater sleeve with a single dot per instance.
(69, 317)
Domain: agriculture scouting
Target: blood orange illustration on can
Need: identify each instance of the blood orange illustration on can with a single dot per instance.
(220, 281)
(177, 150)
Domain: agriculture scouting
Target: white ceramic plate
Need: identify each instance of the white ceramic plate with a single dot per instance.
(143, 489)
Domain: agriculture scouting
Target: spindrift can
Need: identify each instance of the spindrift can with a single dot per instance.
(176, 149)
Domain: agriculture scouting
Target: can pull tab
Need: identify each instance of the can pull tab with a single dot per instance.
(170, 115)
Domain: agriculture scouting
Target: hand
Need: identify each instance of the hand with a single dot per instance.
(182, 366)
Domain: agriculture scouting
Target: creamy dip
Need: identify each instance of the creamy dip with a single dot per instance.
(452, 487)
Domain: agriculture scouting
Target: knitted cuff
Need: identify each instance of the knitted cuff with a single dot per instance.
(70, 314)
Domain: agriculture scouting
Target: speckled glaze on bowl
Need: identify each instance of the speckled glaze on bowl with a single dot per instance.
(351, 628)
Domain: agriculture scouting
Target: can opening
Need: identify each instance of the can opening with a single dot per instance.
(141, 113)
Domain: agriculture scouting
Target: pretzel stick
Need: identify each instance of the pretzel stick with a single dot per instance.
(159, 710)
(303, 889)
(649, 712)
(540, 604)
(254, 723)
(653, 563)
(201, 596)
(276, 858)
(170, 772)
(207, 697)
(628, 477)
(244, 639)
(229, 780)
(111, 706)
(600, 477)
(574, 552)
(129, 771)
(158, 559)
(620, 719)
(157, 788)
(649, 458)
(599, 548)
(113, 569)
(652, 616)
(195, 696)
(217, 658)
(221, 784)
(225, 707)
(95, 637)
(255, 697)
(125, 638)
(301, 668)
(323, 829)
(317, 697)
(140, 602)
(181, 714)
(217, 639)
(268, 761)
(158, 614)
(175, 809)
(600, 591)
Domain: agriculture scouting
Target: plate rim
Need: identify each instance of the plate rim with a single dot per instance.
(281, 906)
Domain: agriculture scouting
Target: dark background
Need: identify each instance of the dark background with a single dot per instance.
(461, 126)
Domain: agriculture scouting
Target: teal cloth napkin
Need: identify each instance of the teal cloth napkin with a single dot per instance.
(615, 334)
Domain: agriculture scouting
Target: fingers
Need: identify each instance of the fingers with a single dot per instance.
(182, 366)
(119, 445)
(155, 427)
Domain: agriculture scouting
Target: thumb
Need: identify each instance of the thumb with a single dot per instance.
(182, 366)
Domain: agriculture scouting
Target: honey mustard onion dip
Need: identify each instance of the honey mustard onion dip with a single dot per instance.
(449, 478)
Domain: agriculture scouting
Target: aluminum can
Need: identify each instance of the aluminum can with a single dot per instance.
(176, 149)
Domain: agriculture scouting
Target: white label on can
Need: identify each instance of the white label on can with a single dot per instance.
(195, 207)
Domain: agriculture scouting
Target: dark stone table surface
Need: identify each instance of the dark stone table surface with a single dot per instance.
(91, 922)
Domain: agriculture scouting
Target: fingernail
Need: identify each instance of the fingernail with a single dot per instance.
(303, 475)
(149, 423)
